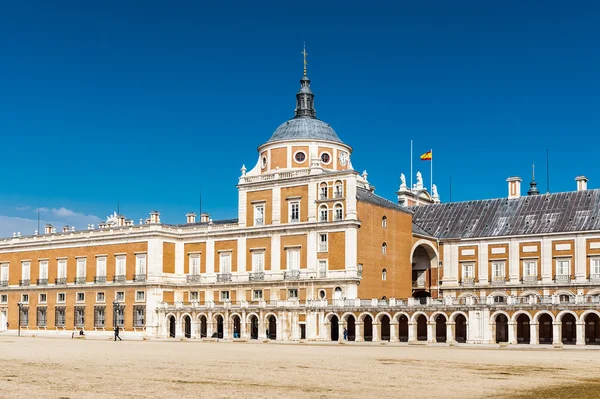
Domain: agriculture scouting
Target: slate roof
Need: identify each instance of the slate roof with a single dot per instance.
(538, 214)
(372, 198)
(305, 128)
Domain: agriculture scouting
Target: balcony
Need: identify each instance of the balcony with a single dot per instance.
(79, 280)
(99, 279)
(498, 280)
(594, 278)
(119, 278)
(42, 281)
(291, 274)
(468, 281)
(60, 281)
(192, 278)
(338, 194)
(562, 278)
(256, 276)
(139, 277)
(4, 283)
(530, 279)
(23, 283)
(223, 278)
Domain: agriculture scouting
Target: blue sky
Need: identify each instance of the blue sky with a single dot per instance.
(147, 103)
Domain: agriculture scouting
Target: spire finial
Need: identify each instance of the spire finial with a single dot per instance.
(304, 53)
(533, 171)
(533, 185)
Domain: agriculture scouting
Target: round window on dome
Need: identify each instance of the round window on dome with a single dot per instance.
(300, 157)
(263, 162)
(325, 158)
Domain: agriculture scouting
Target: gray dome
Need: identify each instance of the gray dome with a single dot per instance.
(305, 128)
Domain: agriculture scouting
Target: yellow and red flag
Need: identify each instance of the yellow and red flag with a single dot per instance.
(426, 156)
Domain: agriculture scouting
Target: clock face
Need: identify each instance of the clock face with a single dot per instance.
(343, 158)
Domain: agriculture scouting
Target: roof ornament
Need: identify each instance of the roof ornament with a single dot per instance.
(533, 190)
(304, 53)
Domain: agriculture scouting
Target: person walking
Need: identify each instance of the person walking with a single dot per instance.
(345, 334)
(117, 329)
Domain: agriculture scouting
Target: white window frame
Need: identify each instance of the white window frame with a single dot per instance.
(143, 296)
(194, 264)
(258, 261)
(293, 293)
(468, 271)
(81, 266)
(384, 222)
(225, 296)
(4, 298)
(43, 275)
(259, 214)
(384, 248)
(338, 212)
(338, 189)
(61, 270)
(225, 262)
(595, 266)
(499, 270)
(194, 296)
(323, 191)
(117, 296)
(77, 294)
(323, 213)
(323, 265)
(4, 270)
(120, 265)
(58, 300)
(338, 293)
(293, 258)
(25, 298)
(100, 300)
(25, 270)
(101, 266)
(140, 264)
(384, 274)
(257, 295)
(323, 244)
(528, 267)
(291, 206)
(43, 300)
(560, 263)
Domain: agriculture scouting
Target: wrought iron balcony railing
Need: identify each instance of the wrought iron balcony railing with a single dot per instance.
(530, 279)
(192, 278)
(498, 280)
(23, 283)
(99, 279)
(223, 277)
(562, 278)
(139, 277)
(4, 283)
(119, 278)
(291, 274)
(60, 281)
(595, 277)
(42, 281)
(256, 276)
(468, 281)
(79, 280)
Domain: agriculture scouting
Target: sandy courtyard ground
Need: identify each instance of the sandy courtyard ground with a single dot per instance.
(62, 368)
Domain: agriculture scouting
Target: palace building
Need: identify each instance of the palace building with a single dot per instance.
(315, 254)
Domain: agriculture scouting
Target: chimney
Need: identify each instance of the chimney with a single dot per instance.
(48, 229)
(190, 217)
(514, 187)
(65, 229)
(204, 217)
(154, 217)
(120, 220)
(129, 222)
(581, 183)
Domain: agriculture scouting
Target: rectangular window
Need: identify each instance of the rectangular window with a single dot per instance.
(293, 259)
(24, 317)
(225, 262)
(81, 267)
(322, 269)
(99, 316)
(79, 316)
(59, 317)
(468, 271)
(195, 264)
(25, 270)
(43, 298)
(80, 297)
(100, 297)
(120, 265)
(224, 295)
(257, 295)
(259, 215)
(498, 270)
(139, 316)
(595, 266)
(43, 270)
(41, 316)
(4, 274)
(25, 298)
(194, 296)
(61, 272)
(322, 242)
(294, 212)
(140, 264)
(61, 297)
(293, 293)
(3, 298)
(530, 268)
(258, 261)
(120, 296)
(101, 266)
(120, 316)
(563, 267)
(140, 296)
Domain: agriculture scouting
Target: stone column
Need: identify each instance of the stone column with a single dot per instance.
(580, 333)
(557, 333)
(512, 332)
(534, 333)
(376, 335)
(244, 326)
(450, 329)
(358, 328)
(412, 331)
(431, 332)
(194, 328)
(209, 325)
(262, 326)
(493, 334)
(341, 332)
(281, 323)
(394, 332)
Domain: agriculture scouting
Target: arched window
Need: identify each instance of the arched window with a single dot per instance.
(338, 191)
(384, 222)
(323, 213)
(339, 212)
(384, 275)
(498, 299)
(384, 248)
(322, 294)
(323, 191)
(337, 293)
(384, 298)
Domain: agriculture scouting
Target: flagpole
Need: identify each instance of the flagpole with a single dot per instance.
(431, 181)
(411, 164)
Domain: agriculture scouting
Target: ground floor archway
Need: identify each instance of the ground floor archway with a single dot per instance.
(422, 328)
(545, 329)
(440, 328)
(460, 328)
(203, 327)
(187, 326)
(523, 329)
(501, 328)
(403, 328)
(253, 327)
(351, 327)
(272, 332)
(384, 323)
(368, 328)
(592, 329)
(220, 328)
(569, 329)
(172, 326)
(237, 326)
(335, 330)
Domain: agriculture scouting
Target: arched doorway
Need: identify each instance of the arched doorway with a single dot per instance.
(384, 323)
(203, 327)
(272, 327)
(335, 331)
(569, 329)
(368, 328)
(440, 328)
(171, 320)
(501, 328)
(592, 329)
(237, 326)
(523, 329)
(421, 328)
(460, 328)
(351, 327)
(219, 326)
(187, 326)
(253, 327)
(423, 259)
(545, 329)
(403, 328)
